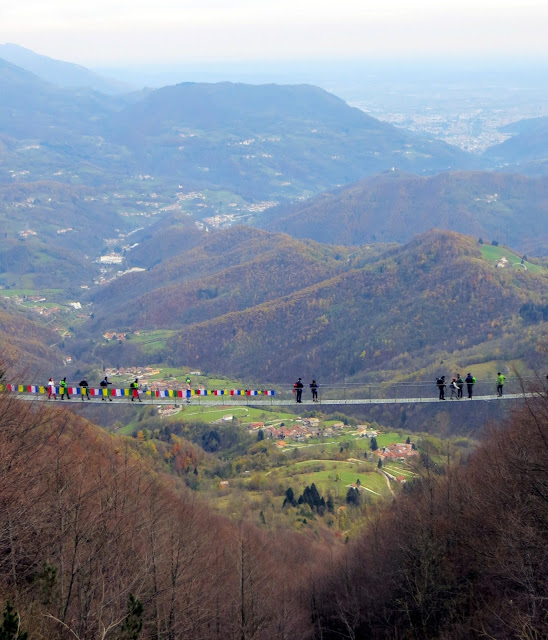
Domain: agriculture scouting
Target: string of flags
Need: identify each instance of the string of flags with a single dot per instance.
(119, 393)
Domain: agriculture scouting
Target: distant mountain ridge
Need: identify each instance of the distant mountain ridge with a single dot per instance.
(260, 142)
(527, 150)
(269, 140)
(393, 206)
(60, 73)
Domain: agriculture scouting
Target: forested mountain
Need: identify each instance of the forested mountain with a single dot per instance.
(32, 107)
(26, 347)
(172, 235)
(526, 151)
(294, 309)
(511, 209)
(269, 140)
(227, 271)
(262, 142)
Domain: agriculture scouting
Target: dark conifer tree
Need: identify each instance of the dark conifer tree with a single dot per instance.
(133, 622)
(10, 624)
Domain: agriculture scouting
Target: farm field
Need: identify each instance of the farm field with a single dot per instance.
(332, 476)
(493, 254)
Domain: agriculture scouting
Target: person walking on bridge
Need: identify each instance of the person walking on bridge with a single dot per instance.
(104, 384)
(298, 387)
(314, 388)
(51, 389)
(470, 382)
(188, 390)
(85, 389)
(500, 383)
(63, 388)
(134, 386)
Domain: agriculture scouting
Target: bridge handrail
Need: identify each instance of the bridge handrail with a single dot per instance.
(127, 392)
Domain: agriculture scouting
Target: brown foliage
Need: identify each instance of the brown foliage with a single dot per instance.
(462, 555)
(84, 523)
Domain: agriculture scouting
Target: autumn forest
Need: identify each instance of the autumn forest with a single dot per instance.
(97, 543)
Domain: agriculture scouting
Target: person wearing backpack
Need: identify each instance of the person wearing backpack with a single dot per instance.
(470, 382)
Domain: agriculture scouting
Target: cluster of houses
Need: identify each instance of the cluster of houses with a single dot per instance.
(397, 452)
(142, 373)
(303, 429)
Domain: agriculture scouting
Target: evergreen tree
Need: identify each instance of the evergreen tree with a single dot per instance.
(373, 444)
(260, 435)
(133, 623)
(289, 498)
(330, 504)
(9, 630)
(353, 497)
(408, 441)
(315, 496)
(379, 463)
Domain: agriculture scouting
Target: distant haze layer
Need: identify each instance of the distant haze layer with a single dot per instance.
(99, 32)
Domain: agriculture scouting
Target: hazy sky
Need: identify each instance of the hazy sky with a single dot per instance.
(100, 32)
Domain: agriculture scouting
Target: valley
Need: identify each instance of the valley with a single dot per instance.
(209, 237)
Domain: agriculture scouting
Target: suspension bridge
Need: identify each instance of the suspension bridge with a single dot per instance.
(332, 395)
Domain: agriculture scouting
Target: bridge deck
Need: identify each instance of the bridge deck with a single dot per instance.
(254, 401)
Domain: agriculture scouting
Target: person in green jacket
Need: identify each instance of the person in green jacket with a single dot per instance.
(63, 388)
(134, 386)
(500, 383)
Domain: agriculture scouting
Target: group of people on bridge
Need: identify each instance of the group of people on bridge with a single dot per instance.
(457, 385)
(298, 390)
(64, 389)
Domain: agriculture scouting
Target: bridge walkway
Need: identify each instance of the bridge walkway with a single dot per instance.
(265, 401)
